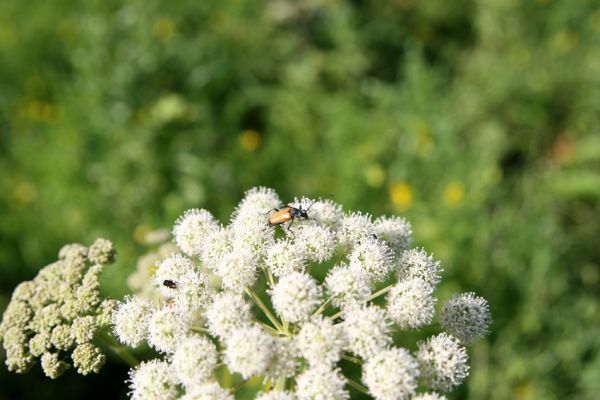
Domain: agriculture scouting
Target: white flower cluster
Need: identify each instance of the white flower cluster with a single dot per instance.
(59, 313)
(296, 300)
(293, 294)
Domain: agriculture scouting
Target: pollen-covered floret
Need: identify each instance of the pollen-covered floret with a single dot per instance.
(347, 287)
(353, 228)
(466, 316)
(191, 229)
(131, 320)
(321, 382)
(391, 374)
(367, 331)
(237, 269)
(249, 351)
(194, 360)
(395, 231)
(315, 241)
(217, 243)
(372, 256)
(153, 380)
(416, 263)
(429, 396)
(284, 257)
(284, 362)
(207, 391)
(191, 285)
(410, 304)
(227, 312)
(296, 296)
(321, 342)
(166, 328)
(443, 362)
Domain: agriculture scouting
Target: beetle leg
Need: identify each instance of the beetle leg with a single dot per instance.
(289, 232)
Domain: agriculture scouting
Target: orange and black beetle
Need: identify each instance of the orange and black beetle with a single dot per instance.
(287, 214)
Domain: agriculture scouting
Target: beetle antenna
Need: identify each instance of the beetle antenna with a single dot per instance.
(319, 199)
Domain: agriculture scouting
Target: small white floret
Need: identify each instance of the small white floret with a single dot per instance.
(410, 304)
(391, 374)
(296, 296)
(443, 362)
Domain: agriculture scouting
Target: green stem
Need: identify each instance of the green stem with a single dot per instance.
(323, 306)
(372, 297)
(267, 385)
(337, 315)
(280, 383)
(239, 386)
(119, 350)
(269, 276)
(357, 386)
(267, 327)
(264, 308)
(355, 360)
(380, 293)
(199, 329)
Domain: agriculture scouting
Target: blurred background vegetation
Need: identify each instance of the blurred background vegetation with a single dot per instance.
(476, 120)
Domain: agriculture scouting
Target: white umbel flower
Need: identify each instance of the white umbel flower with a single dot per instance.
(410, 304)
(285, 359)
(367, 331)
(284, 257)
(237, 269)
(191, 290)
(374, 257)
(207, 391)
(130, 320)
(429, 396)
(166, 328)
(391, 374)
(191, 229)
(259, 199)
(416, 263)
(250, 231)
(467, 317)
(321, 342)
(249, 351)
(315, 241)
(194, 360)
(347, 287)
(353, 228)
(321, 383)
(443, 362)
(228, 311)
(296, 296)
(217, 243)
(152, 380)
(395, 231)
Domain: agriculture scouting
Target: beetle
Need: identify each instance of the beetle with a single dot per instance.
(288, 214)
(170, 284)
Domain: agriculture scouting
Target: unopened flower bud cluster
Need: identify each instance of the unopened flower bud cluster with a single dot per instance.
(55, 317)
(270, 316)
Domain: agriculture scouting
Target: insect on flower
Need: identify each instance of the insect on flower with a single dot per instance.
(170, 284)
(289, 214)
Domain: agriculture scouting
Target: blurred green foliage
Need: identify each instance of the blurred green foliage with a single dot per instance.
(477, 120)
